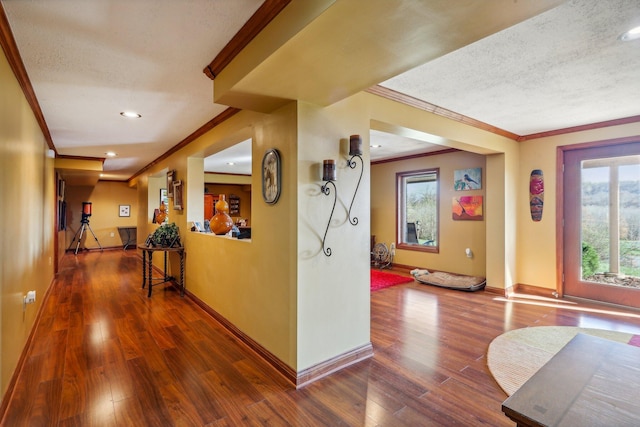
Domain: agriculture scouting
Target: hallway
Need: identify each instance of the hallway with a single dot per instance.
(104, 354)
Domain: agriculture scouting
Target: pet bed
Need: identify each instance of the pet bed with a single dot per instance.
(449, 281)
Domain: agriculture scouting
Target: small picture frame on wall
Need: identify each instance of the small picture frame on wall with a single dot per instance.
(177, 195)
(467, 179)
(171, 176)
(271, 182)
(125, 210)
(467, 208)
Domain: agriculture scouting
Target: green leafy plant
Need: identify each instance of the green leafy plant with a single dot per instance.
(590, 261)
(167, 235)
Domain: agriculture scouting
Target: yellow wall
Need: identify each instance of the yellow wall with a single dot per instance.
(537, 254)
(27, 190)
(518, 250)
(333, 301)
(455, 236)
(220, 178)
(279, 288)
(275, 287)
(106, 198)
(501, 168)
(251, 283)
(148, 199)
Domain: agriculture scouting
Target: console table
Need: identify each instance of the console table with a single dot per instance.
(590, 382)
(147, 267)
(128, 236)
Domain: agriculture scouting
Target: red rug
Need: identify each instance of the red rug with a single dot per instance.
(381, 280)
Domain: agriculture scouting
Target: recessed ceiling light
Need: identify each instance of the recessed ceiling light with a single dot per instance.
(130, 114)
(632, 34)
(375, 146)
(110, 154)
(230, 163)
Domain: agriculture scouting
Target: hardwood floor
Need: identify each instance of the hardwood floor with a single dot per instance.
(104, 354)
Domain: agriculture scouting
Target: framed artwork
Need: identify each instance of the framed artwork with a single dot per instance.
(62, 215)
(467, 208)
(177, 195)
(125, 210)
(467, 179)
(171, 176)
(61, 188)
(271, 172)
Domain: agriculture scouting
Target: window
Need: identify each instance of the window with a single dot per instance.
(418, 226)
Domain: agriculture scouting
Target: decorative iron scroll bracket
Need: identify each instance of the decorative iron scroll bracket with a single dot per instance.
(326, 190)
(352, 164)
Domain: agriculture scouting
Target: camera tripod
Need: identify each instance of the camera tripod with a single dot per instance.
(80, 232)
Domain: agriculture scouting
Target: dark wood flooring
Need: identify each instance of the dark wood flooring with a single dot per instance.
(104, 354)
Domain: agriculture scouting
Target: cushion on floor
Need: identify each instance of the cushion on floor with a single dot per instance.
(449, 281)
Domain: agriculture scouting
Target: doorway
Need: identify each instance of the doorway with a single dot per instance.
(601, 234)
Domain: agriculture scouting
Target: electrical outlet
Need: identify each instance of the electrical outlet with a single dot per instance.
(393, 249)
(31, 297)
(112, 234)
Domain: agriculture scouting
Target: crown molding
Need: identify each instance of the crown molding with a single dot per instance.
(260, 19)
(432, 108)
(581, 128)
(225, 115)
(426, 106)
(12, 54)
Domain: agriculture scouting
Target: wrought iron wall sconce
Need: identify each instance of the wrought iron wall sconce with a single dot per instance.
(328, 176)
(355, 151)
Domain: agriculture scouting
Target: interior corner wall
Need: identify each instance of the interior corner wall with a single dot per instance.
(194, 193)
(251, 283)
(537, 260)
(27, 236)
(501, 187)
(148, 197)
(496, 244)
(454, 236)
(333, 291)
(106, 198)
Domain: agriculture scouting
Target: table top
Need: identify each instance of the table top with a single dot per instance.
(590, 382)
(160, 248)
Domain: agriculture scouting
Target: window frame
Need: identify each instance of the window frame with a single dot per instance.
(401, 210)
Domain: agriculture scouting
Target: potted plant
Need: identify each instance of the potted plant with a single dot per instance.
(167, 235)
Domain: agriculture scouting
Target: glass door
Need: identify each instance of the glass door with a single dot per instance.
(601, 191)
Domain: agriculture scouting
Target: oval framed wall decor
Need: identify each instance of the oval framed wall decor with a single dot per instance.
(271, 173)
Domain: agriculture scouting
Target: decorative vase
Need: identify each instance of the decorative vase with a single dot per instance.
(162, 214)
(221, 222)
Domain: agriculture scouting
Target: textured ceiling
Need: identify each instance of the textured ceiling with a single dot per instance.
(89, 60)
(563, 68)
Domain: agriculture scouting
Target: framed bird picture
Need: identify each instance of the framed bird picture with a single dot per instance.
(467, 179)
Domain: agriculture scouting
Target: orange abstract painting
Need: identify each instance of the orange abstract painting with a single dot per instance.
(467, 208)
